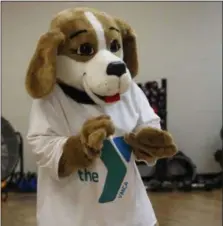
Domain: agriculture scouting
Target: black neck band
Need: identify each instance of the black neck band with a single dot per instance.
(75, 94)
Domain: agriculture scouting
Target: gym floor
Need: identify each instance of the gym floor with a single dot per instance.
(172, 209)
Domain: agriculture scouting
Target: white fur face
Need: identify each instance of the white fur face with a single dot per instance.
(104, 75)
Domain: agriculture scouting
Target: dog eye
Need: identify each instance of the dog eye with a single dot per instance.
(115, 46)
(85, 49)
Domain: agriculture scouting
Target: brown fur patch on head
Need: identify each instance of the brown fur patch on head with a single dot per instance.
(116, 29)
(69, 22)
(111, 30)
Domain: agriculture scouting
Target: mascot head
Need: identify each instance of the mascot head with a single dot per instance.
(87, 50)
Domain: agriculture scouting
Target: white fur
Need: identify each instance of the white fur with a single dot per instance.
(97, 81)
(70, 71)
(96, 77)
(98, 29)
(91, 76)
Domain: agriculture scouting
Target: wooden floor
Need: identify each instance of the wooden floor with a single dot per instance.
(172, 209)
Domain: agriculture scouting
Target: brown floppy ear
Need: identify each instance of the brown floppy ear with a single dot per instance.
(41, 74)
(129, 47)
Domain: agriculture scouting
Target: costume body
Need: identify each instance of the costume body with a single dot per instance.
(90, 122)
(75, 200)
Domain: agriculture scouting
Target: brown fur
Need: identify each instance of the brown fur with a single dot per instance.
(41, 74)
(80, 151)
(140, 155)
(127, 37)
(69, 22)
(110, 35)
(129, 47)
(73, 157)
(150, 144)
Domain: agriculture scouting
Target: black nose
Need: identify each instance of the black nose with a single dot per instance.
(116, 68)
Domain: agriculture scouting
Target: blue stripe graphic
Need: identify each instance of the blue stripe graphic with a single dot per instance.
(123, 148)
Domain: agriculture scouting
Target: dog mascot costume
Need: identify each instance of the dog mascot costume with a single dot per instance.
(87, 111)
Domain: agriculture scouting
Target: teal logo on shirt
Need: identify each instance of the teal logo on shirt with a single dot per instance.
(116, 167)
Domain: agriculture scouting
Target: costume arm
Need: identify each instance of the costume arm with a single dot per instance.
(54, 148)
(147, 116)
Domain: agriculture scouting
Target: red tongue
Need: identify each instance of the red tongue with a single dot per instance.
(111, 99)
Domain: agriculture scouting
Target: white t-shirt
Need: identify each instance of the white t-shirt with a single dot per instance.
(93, 196)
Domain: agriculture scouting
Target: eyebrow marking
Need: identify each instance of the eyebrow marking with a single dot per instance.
(76, 33)
(114, 29)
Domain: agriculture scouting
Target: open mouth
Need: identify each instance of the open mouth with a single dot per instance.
(110, 99)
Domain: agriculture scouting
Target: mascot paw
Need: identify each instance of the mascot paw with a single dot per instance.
(141, 155)
(152, 142)
(94, 132)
